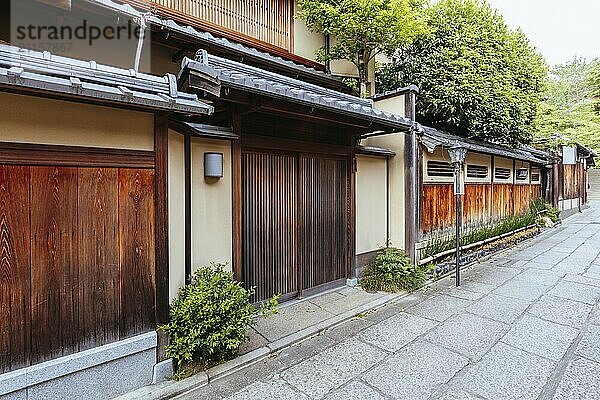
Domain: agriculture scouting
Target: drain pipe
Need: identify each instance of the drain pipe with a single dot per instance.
(140, 44)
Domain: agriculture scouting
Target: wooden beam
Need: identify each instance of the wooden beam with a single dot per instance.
(161, 147)
(266, 142)
(73, 156)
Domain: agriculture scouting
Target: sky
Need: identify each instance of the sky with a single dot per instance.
(560, 29)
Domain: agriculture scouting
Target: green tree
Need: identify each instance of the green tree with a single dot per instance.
(477, 77)
(361, 29)
(571, 103)
(593, 81)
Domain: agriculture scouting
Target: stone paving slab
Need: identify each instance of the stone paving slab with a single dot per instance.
(356, 390)
(581, 381)
(543, 277)
(524, 290)
(507, 373)
(439, 308)
(495, 276)
(499, 308)
(416, 371)
(332, 368)
(576, 291)
(562, 311)
(540, 337)
(589, 346)
(397, 331)
(274, 389)
(468, 334)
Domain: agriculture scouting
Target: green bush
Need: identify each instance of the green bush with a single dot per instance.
(392, 271)
(209, 318)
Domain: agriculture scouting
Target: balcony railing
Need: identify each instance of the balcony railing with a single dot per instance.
(268, 21)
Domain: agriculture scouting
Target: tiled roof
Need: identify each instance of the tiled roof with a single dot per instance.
(43, 71)
(255, 80)
(431, 138)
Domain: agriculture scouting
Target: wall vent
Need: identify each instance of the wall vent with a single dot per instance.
(477, 171)
(440, 168)
(502, 173)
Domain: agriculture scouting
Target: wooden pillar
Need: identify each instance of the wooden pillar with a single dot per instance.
(236, 161)
(187, 166)
(161, 150)
(555, 184)
(351, 212)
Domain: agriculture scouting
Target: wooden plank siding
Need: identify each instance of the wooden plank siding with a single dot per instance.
(77, 251)
(269, 238)
(571, 180)
(54, 262)
(323, 225)
(481, 203)
(15, 244)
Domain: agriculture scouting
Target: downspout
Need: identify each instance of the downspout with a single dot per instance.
(327, 47)
(411, 180)
(387, 201)
(140, 44)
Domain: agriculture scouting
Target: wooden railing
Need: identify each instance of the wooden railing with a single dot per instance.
(268, 21)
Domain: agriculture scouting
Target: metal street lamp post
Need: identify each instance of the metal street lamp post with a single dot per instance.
(457, 155)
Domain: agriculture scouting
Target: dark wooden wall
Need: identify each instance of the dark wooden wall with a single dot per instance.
(77, 259)
(571, 181)
(481, 203)
(294, 221)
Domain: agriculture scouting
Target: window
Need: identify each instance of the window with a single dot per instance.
(440, 168)
(502, 173)
(535, 177)
(522, 174)
(477, 171)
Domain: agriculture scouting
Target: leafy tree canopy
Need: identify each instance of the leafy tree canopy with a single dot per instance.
(477, 77)
(361, 29)
(571, 106)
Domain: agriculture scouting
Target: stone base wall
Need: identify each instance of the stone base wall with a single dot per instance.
(104, 372)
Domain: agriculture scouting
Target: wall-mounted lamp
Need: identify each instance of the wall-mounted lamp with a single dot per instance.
(213, 165)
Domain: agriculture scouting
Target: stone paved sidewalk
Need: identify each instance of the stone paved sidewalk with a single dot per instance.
(524, 325)
(298, 315)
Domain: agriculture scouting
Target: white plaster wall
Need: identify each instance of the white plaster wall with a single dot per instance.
(393, 104)
(306, 43)
(29, 119)
(212, 222)
(397, 189)
(371, 203)
(176, 196)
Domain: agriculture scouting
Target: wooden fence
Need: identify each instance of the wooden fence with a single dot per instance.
(77, 254)
(481, 203)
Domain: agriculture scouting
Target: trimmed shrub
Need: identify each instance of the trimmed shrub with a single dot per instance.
(209, 318)
(392, 271)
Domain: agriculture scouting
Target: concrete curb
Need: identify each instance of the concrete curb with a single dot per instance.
(172, 388)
